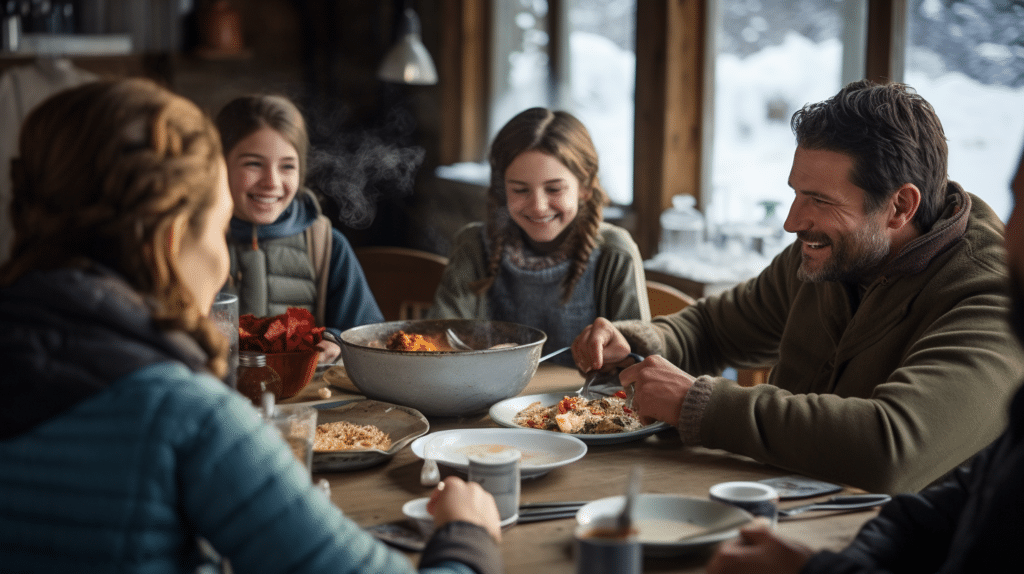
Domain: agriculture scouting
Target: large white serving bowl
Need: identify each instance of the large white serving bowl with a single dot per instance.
(447, 383)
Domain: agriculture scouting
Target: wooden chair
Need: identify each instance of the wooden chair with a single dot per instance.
(665, 300)
(402, 280)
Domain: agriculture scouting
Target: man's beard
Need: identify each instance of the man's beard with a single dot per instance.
(1017, 304)
(854, 256)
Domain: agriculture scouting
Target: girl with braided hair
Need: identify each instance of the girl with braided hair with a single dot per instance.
(544, 257)
(120, 451)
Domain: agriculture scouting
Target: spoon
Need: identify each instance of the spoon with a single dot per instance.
(430, 475)
(553, 353)
(624, 521)
(714, 530)
(456, 342)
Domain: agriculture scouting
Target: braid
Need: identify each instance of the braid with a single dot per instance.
(107, 187)
(562, 136)
(497, 236)
(584, 240)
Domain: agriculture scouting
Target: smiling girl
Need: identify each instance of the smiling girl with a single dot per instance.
(284, 251)
(544, 257)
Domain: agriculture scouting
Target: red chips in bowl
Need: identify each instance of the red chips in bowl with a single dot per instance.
(293, 330)
(289, 341)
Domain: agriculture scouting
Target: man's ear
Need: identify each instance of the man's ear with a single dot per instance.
(903, 205)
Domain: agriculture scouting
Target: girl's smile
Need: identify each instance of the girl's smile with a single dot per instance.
(263, 172)
(542, 195)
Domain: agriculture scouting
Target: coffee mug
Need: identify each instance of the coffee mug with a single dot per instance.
(754, 497)
(599, 549)
(498, 473)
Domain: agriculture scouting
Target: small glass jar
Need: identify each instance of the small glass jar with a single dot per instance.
(255, 377)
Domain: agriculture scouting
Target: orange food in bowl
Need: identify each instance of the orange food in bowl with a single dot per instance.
(402, 341)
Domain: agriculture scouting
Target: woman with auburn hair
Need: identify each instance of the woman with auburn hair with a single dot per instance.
(544, 257)
(120, 450)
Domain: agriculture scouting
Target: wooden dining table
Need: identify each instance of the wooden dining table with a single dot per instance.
(375, 495)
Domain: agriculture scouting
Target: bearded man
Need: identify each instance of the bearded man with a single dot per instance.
(885, 321)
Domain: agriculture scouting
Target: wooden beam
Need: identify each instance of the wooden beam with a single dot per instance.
(670, 48)
(886, 40)
(464, 71)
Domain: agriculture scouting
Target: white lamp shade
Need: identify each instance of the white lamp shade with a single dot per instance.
(408, 62)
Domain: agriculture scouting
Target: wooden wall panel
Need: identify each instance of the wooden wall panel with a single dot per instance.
(669, 82)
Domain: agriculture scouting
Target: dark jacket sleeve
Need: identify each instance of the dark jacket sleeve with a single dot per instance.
(466, 543)
(971, 523)
(350, 302)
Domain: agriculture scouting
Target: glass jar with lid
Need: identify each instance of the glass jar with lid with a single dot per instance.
(255, 377)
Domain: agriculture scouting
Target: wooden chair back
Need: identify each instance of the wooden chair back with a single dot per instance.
(665, 299)
(402, 280)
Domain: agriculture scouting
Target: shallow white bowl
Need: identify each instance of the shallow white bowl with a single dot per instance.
(664, 518)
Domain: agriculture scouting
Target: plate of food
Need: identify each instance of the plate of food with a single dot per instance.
(669, 524)
(364, 433)
(603, 420)
(541, 452)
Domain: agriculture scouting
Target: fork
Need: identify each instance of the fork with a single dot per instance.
(595, 375)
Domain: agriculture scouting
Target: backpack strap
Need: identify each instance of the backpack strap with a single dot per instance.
(318, 244)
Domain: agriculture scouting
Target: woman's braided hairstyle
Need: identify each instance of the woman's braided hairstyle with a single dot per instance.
(562, 136)
(104, 170)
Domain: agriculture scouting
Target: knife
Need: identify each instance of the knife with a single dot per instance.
(840, 502)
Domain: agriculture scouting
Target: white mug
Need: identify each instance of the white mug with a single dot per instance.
(754, 497)
(498, 473)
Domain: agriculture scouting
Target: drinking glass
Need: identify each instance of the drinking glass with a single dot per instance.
(224, 313)
(297, 424)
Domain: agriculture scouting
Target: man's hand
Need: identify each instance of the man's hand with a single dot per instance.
(660, 389)
(759, 550)
(599, 345)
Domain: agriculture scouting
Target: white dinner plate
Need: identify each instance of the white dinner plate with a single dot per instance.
(402, 424)
(664, 518)
(542, 451)
(504, 414)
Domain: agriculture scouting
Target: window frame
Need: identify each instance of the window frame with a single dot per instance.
(674, 84)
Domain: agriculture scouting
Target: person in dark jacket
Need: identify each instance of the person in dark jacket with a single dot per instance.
(969, 524)
(120, 449)
(284, 251)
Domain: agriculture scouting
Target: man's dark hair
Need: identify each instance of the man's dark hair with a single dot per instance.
(893, 136)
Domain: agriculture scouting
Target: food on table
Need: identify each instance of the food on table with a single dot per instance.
(402, 341)
(343, 435)
(576, 415)
(293, 330)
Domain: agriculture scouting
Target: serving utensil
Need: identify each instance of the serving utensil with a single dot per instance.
(456, 343)
(840, 502)
(553, 353)
(624, 520)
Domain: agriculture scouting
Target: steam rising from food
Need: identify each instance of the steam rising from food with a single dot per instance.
(359, 167)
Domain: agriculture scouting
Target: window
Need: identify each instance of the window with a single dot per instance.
(771, 58)
(583, 62)
(967, 58)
